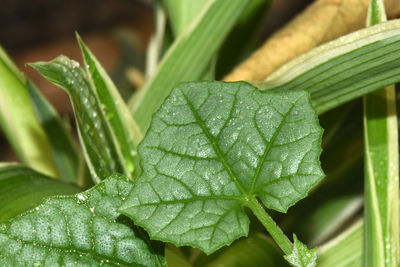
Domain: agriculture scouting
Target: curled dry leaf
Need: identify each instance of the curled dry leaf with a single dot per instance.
(322, 21)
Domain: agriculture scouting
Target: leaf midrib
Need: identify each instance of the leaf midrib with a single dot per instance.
(219, 153)
(214, 145)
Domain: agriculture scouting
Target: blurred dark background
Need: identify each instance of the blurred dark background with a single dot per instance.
(117, 31)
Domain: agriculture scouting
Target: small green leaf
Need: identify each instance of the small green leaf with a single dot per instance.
(101, 152)
(302, 256)
(80, 230)
(21, 189)
(213, 147)
(125, 132)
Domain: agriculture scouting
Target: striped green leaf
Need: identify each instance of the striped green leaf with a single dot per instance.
(102, 154)
(188, 56)
(381, 204)
(66, 153)
(22, 188)
(344, 69)
(125, 132)
(18, 120)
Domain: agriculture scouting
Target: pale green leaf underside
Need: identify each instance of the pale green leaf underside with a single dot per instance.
(212, 147)
(301, 256)
(79, 230)
(100, 150)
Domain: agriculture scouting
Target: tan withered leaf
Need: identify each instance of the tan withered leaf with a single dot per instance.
(322, 21)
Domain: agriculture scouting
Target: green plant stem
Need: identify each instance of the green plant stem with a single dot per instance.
(273, 229)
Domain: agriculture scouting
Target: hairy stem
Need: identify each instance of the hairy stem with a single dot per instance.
(273, 229)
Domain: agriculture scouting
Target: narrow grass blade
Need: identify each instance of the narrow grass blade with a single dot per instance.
(65, 150)
(344, 69)
(188, 56)
(124, 130)
(18, 120)
(157, 40)
(22, 188)
(101, 153)
(345, 250)
(181, 13)
(381, 197)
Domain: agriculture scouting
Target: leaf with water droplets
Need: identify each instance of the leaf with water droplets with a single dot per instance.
(215, 147)
(101, 150)
(79, 230)
(125, 131)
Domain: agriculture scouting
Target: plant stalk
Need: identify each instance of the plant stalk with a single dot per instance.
(273, 229)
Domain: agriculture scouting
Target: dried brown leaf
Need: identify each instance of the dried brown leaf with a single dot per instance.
(322, 21)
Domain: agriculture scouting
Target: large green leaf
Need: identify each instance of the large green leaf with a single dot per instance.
(381, 198)
(215, 147)
(65, 150)
(80, 230)
(22, 188)
(100, 149)
(18, 120)
(344, 69)
(188, 56)
(124, 130)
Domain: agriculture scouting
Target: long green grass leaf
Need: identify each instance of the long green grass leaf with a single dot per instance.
(18, 120)
(345, 250)
(344, 69)
(188, 56)
(65, 150)
(22, 188)
(101, 153)
(124, 130)
(381, 205)
(181, 13)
